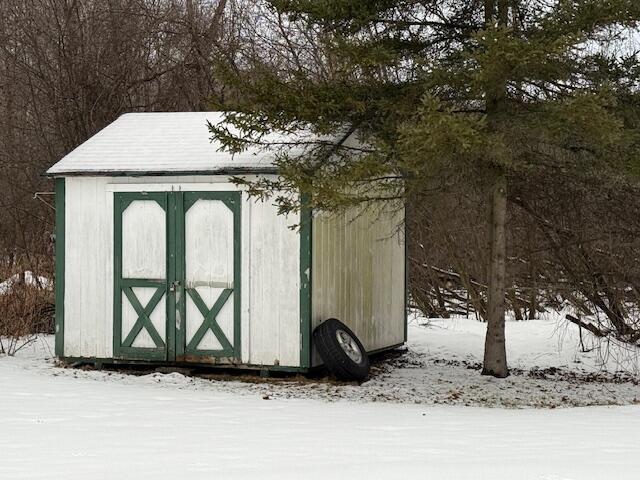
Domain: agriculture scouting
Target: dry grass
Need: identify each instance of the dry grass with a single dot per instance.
(25, 311)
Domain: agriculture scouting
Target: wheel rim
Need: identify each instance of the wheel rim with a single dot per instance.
(349, 346)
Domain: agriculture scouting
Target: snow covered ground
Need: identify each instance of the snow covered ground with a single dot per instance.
(78, 424)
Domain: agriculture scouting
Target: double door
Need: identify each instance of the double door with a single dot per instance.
(177, 276)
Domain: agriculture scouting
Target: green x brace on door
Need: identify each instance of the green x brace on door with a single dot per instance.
(177, 276)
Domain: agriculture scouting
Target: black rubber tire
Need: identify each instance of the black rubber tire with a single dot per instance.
(334, 357)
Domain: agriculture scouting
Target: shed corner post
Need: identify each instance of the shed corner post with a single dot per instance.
(59, 256)
(306, 225)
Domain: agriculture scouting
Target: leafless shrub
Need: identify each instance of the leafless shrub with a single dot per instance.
(26, 311)
(572, 242)
(588, 249)
(448, 254)
(26, 295)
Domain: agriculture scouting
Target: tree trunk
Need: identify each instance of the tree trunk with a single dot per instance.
(495, 354)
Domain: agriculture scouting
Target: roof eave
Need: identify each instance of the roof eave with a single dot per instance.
(163, 173)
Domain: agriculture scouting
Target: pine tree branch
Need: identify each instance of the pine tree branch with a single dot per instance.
(428, 23)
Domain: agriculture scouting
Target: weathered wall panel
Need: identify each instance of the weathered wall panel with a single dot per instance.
(88, 294)
(358, 274)
(274, 285)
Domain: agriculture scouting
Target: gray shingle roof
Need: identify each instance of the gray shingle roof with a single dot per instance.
(162, 143)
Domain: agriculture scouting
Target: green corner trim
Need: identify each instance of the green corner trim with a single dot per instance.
(59, 265)
(306, 226)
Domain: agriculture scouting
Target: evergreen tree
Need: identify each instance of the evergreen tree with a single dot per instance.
(437, 92)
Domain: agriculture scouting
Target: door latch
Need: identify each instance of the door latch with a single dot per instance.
(173, 286)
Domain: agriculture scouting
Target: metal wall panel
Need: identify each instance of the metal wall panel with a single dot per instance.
(358, 274)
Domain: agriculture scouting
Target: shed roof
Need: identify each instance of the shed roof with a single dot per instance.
(159, 143)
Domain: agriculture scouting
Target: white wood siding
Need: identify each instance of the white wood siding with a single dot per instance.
(274, 281)
(88, 298)
(358, 274)
(270, 319)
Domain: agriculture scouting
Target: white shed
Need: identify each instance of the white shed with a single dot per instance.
(160, 258)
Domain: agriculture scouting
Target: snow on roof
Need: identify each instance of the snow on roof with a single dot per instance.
(147, 143)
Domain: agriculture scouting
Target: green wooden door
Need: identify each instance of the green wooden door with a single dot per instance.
(177, 276)
(209, 303)
(141, 276)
